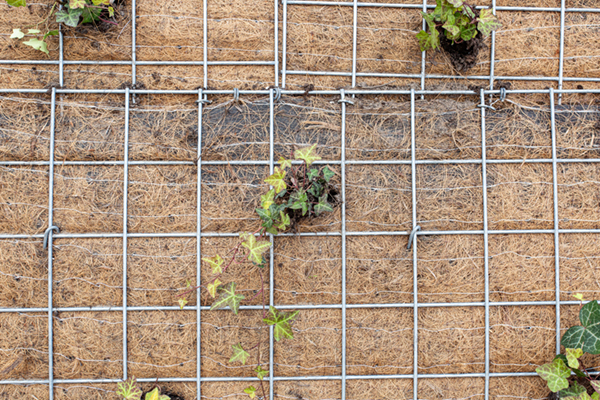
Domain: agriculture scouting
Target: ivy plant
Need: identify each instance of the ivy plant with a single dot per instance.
(566, 374)
(458, 21)
(71, 13)
(298, 190)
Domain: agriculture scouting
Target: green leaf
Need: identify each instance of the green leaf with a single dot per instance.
(16, 3)
(73, 4)
(283, 163)
(307, 154)
(255, 248)
(427, 42)
(101, 2)
(128, 390)
(250, 391)
(265, 215)
(323, 205)
(572, 391)
(267, 199)
(316, 188)
(227, 298)
(69, 17)
(38, 45)
(469, 33)
(572, 357)
(90, 14)
(587, 336)
(596, 386)
(468, 10)
(452, 31)
(182, 303)
(595, 396)
(556, 374)
(284, 221)
(260, 372)
(50, 33)
(272, 230)
(487, 22)
(312, 173)
(578, 296)
(328, 174)
(215, 263)
(155, 395)
(456, 3)
(276, 180)
(111, 12)
(239, 354)
(212, 287)
(281, 322)
(17, 34)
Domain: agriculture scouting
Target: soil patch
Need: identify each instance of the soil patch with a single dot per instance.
(462, 55)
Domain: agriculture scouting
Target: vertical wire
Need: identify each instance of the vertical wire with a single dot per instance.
(133, 46)
(414, 245)
(50, 223)
(562, 49)
(485, 247)
(276, 18)
(199, 248)
(493, 51)
(354, 34)
(284, 45)
(271, 275)
(423, 54)
(205, 41)
(343, 179)
(556, 236)
(125, 212)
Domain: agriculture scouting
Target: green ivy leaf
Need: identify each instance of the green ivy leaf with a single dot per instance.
(73, 4)
(452, 31)
(69, 17)
(17, 34)
(587, 336)
(129, 390)
(595, 396)
(574, 390)
(16, 3)
(38, 45)
(487, 22)
(572, 357)
(469, 33)
(284, 221)
(182, 303)
(255, 248)
(283, 163)
(307, 154)
(101, 2)
(456, 3)
(250, 391)
(281, 322)
(596, 386)
(111, 12)
(212, 287)
(312, 173)
(578, 296)
(260, 372)
(328, 174)
(90, 14)
(155, 395)
(468, 10)
(265, 215)
(323, 205)
(50, 33)
(428, 42)
(267, 199)
(239, 354)
(215, 263)
(556, 374)
(315, 189)
(228, 298)
(276, 180)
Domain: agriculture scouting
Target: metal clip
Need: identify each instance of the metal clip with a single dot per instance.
(47, 233)
(236, 94)
(486, 106)
(202, 98)
(343, 99)
(277, 94)
(502, 94)
(412, 236)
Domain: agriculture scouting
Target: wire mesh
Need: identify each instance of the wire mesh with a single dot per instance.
(343, 233)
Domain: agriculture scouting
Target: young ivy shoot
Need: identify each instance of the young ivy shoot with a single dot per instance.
(566, 374)
(298, 190)
(459, 21)
(73, 14)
